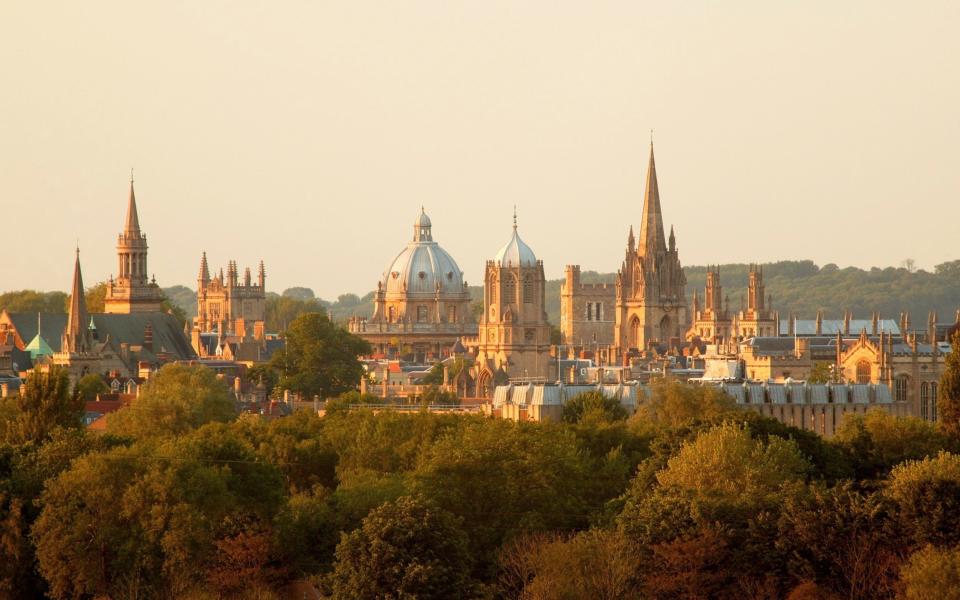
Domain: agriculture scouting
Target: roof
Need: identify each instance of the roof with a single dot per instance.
(419, 268)
(38, 346)
(128, 329)
(806, 327)
(516, 253)
(51, 327)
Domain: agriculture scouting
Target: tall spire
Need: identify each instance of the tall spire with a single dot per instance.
(76, 336)
(133, 221)
(204, 269)
(651, 225)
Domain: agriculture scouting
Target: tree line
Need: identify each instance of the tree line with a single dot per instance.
(690, 497)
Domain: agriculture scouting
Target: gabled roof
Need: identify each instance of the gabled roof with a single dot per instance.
(168, 336)
(51, 327)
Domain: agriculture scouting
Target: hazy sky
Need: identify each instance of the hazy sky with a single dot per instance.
(309, 133)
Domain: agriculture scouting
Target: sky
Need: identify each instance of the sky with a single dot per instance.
(309, 134)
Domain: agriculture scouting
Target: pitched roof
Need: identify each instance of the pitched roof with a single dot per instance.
(51, 327)
(651, 224)
(168, 337)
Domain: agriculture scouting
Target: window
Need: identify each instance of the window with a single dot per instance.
(421, 314)
(925, 401)
(900, 386)
(863, 372)
(589, 311)
(597, 310)
(528, 290)
(933, 401)
(451, 314)
(391, 314)
(509, 290)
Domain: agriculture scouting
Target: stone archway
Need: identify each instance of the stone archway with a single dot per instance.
(484, 380)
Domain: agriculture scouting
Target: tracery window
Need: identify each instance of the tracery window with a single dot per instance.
(863, 372)
(528, 290)
(925, 401)
(900, 386)
(933, 401)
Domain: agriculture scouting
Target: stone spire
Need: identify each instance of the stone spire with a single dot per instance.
(651, 225)
(76, 337)
(204, 276)
(133, 220)
(631, 241)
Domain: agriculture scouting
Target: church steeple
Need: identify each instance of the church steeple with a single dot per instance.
(76, 337)
(204, 269)
(651, 225)
(132, 225)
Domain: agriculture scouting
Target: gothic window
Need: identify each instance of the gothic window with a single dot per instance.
(493, 291)
(528, 290)
(421, 314)
(924, 401)
(635, 333)
(589, 311)
(391, 314)
(509, 290)
(933, 401)
(900, 387)
(597, 311)
(665, 330)
(863, 372)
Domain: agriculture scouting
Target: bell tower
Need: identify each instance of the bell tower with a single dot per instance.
(132, 291)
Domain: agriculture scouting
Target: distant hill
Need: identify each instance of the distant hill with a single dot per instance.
(800, 286)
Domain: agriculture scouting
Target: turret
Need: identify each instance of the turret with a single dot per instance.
(262, 277)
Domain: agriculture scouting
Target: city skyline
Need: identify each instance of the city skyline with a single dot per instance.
(255, 117)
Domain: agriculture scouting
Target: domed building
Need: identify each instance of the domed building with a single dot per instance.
(514, 335)
(422, 306)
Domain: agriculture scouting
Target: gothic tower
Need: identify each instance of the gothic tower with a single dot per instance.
(132, 291)
(651, 306)
(514, 332)
(76, 337)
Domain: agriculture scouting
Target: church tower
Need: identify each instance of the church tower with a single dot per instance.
(514, 332)
(132, 291)
(76, 337)
(651, 306)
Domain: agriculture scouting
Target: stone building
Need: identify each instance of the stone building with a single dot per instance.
(651, 304)
(514, 336)
(229, 306)
(714, 323)
(132, 291)
(587, 311)
(421, 305)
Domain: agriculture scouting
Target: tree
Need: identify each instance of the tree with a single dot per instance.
(90, 386)
(27, 301)
(932, 574)
(246, 558)
(927, 495)
(299, 293)
(949, 390)
(95, 297)
(593, 407)
(405, 549)
(45, 405)
(281, 311)
(877, 441)
(820, 373)
(176, 399)
(319, 358)
(673, 404)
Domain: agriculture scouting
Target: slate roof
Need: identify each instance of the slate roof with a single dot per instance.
(129, 329)
(808, 327)
(51, 327)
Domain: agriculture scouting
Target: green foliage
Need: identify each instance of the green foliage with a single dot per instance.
(404, 549)
(948, 391)
(319, 358)
(27, 301)
(176, 399)
(927, 495)
(503, 478)
(877, 441)
(95, 297)
(932, 574)
(672, 404)
(299, 293)
(282, 311)
(593, 407)
(46, 405)
(183, 298)
(90, 386)
(820, 373)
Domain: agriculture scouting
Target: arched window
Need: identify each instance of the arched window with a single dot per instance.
(933, 401)
(493, 291)
(635, 333)
(900, 386)
(925, 401)
(391, 314)
(863, 372)
(528, 290)
(666, 330)
(509, 290)
(598, 308)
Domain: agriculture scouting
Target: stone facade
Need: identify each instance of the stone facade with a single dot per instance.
(587, 311)
(514, 335)
(229, 306)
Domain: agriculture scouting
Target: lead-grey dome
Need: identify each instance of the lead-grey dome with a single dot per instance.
(423, 266)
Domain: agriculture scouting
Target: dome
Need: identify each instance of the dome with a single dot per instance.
(423, 266)
(516, 253)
